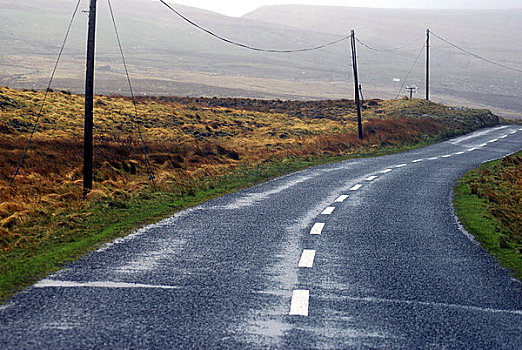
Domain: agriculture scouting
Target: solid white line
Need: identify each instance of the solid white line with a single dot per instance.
(307, 258)
(341, 198)
(328, 211)
(371, 178)
(401, 165)
(45, 283)
(386, 171)
(317, 228)
(299, 305)
(417, 160)
(356, 187)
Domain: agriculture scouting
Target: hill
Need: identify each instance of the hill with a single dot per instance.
(167, 56)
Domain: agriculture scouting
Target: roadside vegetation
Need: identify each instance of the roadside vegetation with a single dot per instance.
(488, 202)
(199, 148)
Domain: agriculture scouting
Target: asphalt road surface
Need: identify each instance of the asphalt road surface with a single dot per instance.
(363, 253)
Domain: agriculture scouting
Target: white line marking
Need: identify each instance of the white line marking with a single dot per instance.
(433, 158)
(341, 198)
(317, 228)
(458, 153)
(328, 211)
(401, 165)
(299, 305)
(356, 187)
(432, 304)
(503, 137)
(484, 144)
(514, 131)
(446, 156)
(417, 160)
(371, 178)
(307, 258)
(472, 149)
(45, 283)
(386, 171)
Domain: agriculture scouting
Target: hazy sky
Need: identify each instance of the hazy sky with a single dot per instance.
(240, 7)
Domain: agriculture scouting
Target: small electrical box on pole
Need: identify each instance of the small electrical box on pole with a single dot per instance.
(357, 86)
(89, 98)
(411, 90)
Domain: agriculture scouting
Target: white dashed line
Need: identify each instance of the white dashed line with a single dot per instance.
(417, 160)
(503, 137)
(433, 158)
(484, 144)
(472, 149)
(317, 228)
(400, 165)
(46, 283)
(446, 156)
(299, 305)
(371, 178)
(459, 153)
(341, 198)
(328, 211)
(386, 171)
(307, 258)
(356, 187)
(514, 131)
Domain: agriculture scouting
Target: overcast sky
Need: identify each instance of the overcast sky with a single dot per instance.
(240, 7)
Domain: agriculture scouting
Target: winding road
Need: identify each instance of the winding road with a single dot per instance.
(364, 253)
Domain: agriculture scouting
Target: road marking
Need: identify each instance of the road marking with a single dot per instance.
(503, 137)
(307, 258)
(472, 149)
(433, 158)
(299, 304)
(46, 283)
(317, 228)
(356, 187)
(417, 160)
(401, 165)
(484, 144)
(514, 131)
(371, 178)
(341, 198)
(458, 153)
(328, 211)
(386, 171)
(446, 156)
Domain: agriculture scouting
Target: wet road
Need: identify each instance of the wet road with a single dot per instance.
(360, 254)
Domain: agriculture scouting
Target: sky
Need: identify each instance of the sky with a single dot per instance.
(240, 7)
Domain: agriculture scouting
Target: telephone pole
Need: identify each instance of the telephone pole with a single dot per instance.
(356, 81)
(89, 97)
(427, 64)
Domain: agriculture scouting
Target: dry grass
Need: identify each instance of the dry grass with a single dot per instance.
(188, 140)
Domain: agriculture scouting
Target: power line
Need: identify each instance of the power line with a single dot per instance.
(477, 56)
(247, 46)
(46, 93)
(150, 173)
(411, 68)
(397, 49)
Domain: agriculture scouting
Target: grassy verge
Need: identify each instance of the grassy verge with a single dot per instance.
(488, 202)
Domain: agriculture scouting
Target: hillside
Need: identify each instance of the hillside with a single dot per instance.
(167, 56)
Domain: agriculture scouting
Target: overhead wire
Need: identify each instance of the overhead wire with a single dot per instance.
(475, 55)
(150, 173)
(248, 46)
(409, 72)
(397, 49)
(46, 93)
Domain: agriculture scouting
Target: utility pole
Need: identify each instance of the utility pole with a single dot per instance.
(356, 81)
(427, 64)
(89, 97)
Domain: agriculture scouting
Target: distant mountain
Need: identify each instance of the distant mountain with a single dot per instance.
(167, 56)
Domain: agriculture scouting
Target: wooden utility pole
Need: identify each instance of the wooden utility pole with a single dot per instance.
(427, 64)
(89, 97)
(356, 81)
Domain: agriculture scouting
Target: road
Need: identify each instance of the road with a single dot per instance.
(364, 253)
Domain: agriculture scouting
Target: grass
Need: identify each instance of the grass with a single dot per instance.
(198, 148)
(488, 201)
